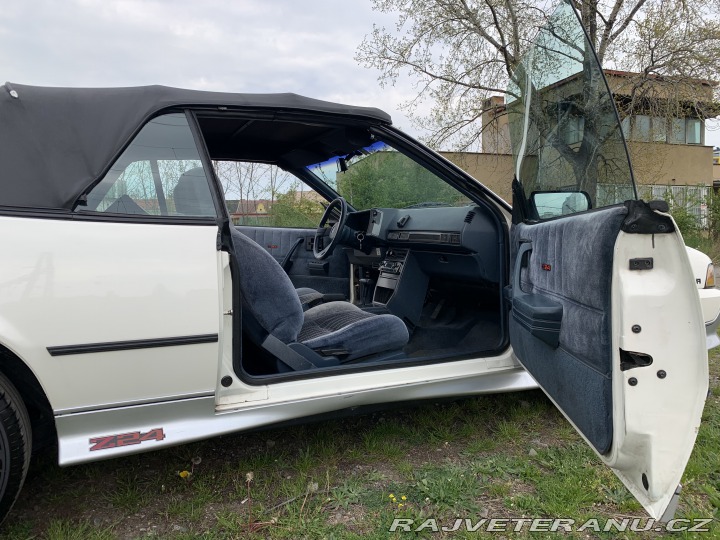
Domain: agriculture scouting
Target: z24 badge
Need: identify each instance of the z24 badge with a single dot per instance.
(125, 439)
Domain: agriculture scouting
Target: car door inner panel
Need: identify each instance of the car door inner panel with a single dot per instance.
(568, 278)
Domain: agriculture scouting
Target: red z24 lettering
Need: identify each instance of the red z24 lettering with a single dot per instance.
(125, 439)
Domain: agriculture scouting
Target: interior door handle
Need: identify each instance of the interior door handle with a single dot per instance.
(524, 249)
(287, 261)
(537, 313)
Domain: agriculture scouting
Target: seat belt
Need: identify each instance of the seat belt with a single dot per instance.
(286, 355)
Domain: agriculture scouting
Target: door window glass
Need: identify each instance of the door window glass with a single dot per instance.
(564, 128)
(159, 174)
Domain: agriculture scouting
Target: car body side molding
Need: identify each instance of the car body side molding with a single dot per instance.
(89, 348)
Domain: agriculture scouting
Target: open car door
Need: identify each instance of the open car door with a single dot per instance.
(605, 315)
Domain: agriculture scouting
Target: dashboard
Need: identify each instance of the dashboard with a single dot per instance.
(462, 243)
(465, 228)
(412, 248)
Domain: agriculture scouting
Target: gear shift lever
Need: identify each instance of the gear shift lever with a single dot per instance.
(367, 286)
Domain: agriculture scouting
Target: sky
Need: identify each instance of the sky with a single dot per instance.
(301, 46)
(306, 47)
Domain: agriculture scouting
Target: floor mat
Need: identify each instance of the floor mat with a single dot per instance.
(454, 330)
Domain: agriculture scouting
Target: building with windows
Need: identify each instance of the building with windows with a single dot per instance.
(254, 211)
(662, 121)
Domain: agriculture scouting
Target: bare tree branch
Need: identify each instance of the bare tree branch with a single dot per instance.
(460, 52)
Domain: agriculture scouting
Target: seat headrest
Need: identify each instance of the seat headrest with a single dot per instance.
(192, 194)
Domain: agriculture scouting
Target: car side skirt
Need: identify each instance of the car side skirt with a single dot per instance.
(93, 435)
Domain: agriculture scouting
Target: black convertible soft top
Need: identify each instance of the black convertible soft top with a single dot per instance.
(55, 142)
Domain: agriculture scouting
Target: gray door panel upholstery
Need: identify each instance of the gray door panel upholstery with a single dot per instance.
(571, 264)
(279, 241)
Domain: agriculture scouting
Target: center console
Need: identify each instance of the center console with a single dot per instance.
(401, 285)
(390, 269)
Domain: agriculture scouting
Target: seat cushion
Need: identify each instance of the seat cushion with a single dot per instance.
(308, 296)
(343, 326)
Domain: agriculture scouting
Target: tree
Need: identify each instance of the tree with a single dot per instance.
(462, 51)
(388, 179)
(296, 208)
(241, 182)
(246, 183)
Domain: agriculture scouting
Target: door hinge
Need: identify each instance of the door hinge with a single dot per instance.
(642, 218)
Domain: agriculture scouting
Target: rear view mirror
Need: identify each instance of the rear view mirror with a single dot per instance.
(550, 204)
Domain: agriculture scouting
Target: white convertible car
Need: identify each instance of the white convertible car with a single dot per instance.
(135, 316)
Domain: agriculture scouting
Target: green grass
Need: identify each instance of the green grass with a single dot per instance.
(505, 456)
(62, 529)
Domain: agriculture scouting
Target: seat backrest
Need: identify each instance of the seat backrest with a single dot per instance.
(266, 290)
(192, 194)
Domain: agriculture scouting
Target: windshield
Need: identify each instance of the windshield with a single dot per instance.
(564, 127)
(378, 176)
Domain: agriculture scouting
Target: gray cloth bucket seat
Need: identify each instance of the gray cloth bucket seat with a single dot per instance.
(308, 296)
(337, 329)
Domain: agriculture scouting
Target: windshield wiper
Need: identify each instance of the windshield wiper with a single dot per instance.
(428, 204)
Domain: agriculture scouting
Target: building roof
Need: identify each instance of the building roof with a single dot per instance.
(249, 207)
(57, 142)
(633, 74)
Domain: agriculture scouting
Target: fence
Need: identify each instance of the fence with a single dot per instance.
(693, 198)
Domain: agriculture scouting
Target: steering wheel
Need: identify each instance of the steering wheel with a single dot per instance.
(327, 238)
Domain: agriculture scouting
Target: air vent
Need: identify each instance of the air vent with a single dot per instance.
(469, 217)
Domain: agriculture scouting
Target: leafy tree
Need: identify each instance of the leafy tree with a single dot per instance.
(681, 210)
(292, 210)
(389, 179)
(462, 51)
(713, 215)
